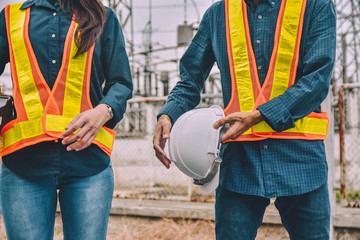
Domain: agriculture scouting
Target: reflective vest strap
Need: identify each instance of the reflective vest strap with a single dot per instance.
(297, 45)
(312, 127)
(105, 140)
(25, 143)
(86, 101)
(252, 61)
(56, 99)
(292, 135)
(16, 92)
(74, 81)
(38, 78)
(56, 125)
(233, 104)
(286, 50)
(312, 124)
(268, 83)
(30, 95)
(21, 131)
(240, 55)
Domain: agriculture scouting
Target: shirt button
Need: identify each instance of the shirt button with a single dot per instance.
(258, 41)
(265, 147)
(273, 3)
(260, 67)
(53, 35)
(259, 17)
(54, 14)
(53, 61)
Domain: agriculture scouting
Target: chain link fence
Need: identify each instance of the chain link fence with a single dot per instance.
(347, 151)
(138, 173)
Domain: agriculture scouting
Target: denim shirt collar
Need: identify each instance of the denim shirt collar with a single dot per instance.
(41, 3)
(270, 2)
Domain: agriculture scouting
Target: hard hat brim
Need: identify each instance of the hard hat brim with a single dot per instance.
(210, 186)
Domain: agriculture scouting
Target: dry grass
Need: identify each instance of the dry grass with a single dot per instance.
(124, 228)
(142, 228)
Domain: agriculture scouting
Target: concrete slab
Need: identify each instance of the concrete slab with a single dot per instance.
(344, 217)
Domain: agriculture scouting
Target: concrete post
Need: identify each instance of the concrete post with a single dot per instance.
(329, 146)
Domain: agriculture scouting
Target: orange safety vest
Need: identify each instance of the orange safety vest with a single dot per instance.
(43, 114)
(246, 93)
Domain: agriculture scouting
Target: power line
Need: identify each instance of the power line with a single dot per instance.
(166, 6)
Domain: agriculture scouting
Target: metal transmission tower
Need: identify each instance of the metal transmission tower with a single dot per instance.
(147, 42)
(124, 9)
(347, 67)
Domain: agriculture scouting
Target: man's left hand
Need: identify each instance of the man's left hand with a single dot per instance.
(239, 122)
(89, 124)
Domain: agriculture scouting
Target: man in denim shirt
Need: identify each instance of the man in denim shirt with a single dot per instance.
(292, 170)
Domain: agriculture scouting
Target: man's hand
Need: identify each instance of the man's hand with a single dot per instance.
(89, 122)
(239, 122)
(162, 133)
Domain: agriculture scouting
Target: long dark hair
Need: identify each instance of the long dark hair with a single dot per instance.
(90, 16)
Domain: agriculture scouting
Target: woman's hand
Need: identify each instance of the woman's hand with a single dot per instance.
(239, 122)
(162, 133)
(89, 124)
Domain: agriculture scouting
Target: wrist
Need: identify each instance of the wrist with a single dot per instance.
(164, 117)
(257, 117)
(106, 111)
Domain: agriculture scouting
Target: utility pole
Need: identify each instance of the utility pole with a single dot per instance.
(185, 12)
(148, 52)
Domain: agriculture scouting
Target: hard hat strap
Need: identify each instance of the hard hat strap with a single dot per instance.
(211, 174)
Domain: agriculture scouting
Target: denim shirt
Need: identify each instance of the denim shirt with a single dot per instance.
(110, 67)
(271, 167)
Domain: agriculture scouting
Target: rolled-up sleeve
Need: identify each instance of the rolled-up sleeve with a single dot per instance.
(195, 66)
(312, 87)
(118, 83)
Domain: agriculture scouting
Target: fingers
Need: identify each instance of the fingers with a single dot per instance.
(72, 126)
(223, 121)
(235, 130)
(79, 135)
(159, 144)
(162, 133)
(87, 126)
(161, 155)
(82, 143)
(229, 134)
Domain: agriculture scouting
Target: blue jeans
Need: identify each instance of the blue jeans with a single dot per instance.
(305, 216)
(29, 205)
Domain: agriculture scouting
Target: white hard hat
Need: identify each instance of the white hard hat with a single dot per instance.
(194, 146)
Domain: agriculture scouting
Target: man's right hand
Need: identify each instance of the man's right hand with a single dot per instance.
(162, 133)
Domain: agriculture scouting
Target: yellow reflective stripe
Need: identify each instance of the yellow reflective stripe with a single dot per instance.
(57, 123)
(286, 48)
(105, 138)
(21, 131)
(247, 132)
(304, 125)
(28, 89)
(240, 56)
(74, 82)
